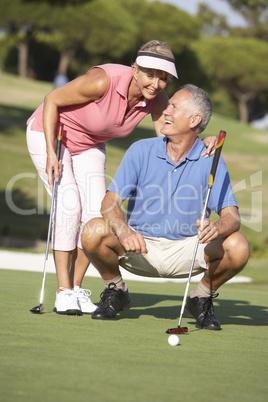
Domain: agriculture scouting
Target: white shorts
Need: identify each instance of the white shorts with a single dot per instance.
(79, 193)
(166, 258)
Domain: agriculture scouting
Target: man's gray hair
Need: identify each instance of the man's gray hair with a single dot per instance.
(199, 103)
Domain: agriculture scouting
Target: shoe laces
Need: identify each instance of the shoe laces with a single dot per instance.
(84, 293)
(109, 294)
(67, 292)
(208, 305)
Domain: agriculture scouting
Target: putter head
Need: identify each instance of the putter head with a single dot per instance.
(178, 330)
(37, 309)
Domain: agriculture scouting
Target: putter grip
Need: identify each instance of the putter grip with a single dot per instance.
(216, 158)
(59, 138)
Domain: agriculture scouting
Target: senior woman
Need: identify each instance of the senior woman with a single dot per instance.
(107, 102)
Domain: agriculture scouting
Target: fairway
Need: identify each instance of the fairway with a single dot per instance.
(48, 357)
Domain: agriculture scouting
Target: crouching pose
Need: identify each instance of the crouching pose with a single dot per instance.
(165, 180)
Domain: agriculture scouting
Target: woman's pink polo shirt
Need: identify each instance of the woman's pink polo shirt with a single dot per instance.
(90, 125)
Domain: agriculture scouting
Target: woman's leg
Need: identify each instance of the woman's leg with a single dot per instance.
(63, 261)
(78, 266)
(89, 171)
(67, 212)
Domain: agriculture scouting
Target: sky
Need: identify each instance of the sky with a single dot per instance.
(220, 6)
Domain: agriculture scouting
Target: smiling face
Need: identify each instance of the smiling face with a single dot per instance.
(178, 120)
(150, 82)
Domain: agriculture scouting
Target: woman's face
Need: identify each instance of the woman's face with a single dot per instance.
(150, 82)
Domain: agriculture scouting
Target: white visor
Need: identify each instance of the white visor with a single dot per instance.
(156, 61)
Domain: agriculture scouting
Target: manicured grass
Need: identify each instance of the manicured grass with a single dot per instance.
(22, 91)
(49, 357)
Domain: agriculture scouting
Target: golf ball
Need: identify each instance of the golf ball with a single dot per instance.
(173, 340)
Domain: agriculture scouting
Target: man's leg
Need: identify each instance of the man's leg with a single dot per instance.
(103, 248)
(226, 258)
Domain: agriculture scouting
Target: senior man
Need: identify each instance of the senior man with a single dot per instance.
(165, 180)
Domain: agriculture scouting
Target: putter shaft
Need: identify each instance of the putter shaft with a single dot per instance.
(215, 162)
(48, 239)
(40, 308)
(193, 259)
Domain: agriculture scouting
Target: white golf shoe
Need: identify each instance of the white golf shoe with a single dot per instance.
(67, 303)
(83, 298)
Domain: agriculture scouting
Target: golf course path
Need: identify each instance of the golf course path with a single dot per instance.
(35, 262)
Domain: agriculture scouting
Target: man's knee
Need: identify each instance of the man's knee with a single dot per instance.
(93, 233)
(237, 248)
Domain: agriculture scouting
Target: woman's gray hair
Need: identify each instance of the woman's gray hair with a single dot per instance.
(199, 103)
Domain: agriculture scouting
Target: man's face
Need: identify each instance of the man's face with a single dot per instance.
(175, 114)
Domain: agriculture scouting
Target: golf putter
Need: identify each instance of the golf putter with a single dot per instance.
(219, 145)
(40, 308)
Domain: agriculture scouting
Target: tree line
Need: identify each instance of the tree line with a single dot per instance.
(42, 37)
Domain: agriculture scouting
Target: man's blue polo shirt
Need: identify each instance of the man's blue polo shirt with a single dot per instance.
(166, 199)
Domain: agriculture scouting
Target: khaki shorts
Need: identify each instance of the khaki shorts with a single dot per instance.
(166, 258)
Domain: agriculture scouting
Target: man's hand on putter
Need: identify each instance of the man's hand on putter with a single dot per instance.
(208, 231)
(133, 241)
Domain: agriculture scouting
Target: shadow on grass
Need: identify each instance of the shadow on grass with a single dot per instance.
(14, 116)
(14, 222)
(228, 312)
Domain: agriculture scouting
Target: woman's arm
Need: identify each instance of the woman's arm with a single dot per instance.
(87, 88)
(160, 105)
(210, 142)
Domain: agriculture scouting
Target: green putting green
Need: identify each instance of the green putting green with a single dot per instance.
(48, 357)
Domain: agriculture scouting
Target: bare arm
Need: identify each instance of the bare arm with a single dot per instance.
(114, 216)
(228, 223)
(210, 142)
(161, 104)
(82, 90)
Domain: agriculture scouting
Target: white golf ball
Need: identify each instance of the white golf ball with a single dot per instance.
(173, 340)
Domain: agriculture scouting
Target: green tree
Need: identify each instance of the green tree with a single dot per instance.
(252, 10)
(111, 30)
(25, 19)
(20, 19)
(105, 30)
(101, 28)
(255, 13)
(162, 21)
(212, 23)
(237, 64)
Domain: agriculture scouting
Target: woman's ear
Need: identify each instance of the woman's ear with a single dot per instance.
(135, 71)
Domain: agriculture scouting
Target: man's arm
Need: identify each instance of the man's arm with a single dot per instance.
(112, 213)
(228, 223)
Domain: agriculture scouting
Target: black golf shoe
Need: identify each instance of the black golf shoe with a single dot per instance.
(201, 308)
(112, 300)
